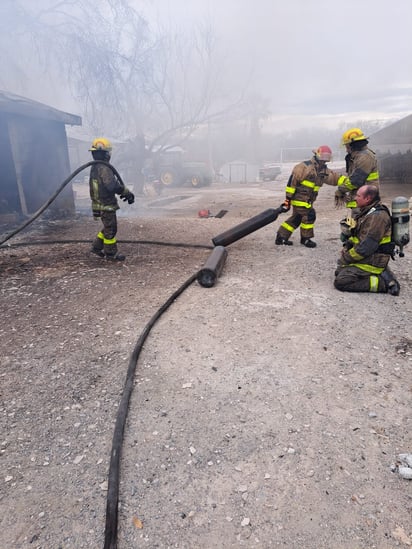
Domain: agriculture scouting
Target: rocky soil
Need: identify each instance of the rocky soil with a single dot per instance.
(268, 411)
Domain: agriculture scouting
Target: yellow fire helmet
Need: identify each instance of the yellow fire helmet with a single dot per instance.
(101, 144)
(354, 134)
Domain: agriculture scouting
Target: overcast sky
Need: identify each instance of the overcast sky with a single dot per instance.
(328, 59)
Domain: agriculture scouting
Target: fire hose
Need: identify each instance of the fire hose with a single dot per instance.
(56, 193)
(206, 277)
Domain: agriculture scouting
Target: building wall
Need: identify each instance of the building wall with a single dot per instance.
(396, 167)
(9, 195)
(393, 146)
(37, 150)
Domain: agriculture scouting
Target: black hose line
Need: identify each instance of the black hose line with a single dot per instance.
(57, 192)
(149, 242)
(112, 502)
(174, 244)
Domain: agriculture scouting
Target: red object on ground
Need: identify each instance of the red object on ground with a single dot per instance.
(203, 213)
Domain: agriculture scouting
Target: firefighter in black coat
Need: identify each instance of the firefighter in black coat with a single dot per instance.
(104, 186)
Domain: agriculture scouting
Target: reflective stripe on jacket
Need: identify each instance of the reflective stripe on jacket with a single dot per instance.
(362, 169)
(305, 181)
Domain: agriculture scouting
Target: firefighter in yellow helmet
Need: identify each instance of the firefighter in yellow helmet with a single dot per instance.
(302, 189)
(361, 168)
(104, 186)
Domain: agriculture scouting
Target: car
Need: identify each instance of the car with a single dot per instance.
(269, 171)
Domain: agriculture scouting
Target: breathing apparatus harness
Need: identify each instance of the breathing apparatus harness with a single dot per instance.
(400, 218)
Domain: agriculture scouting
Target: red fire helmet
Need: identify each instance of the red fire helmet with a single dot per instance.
(323, 153)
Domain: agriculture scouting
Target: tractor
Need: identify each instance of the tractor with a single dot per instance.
(173, 170)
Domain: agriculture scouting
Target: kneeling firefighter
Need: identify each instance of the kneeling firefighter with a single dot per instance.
(301, 192)
(104, 186)
(363, 264)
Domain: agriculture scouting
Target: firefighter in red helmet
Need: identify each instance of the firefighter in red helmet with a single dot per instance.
(302, 189)
(104, 186)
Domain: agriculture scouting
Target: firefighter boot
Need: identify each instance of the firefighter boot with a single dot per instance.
(99, 253)
(392, 285)
(97, 246)
(280, 241)
(116, 257)
(308, 242)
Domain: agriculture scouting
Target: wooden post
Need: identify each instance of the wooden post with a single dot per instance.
(14, 142)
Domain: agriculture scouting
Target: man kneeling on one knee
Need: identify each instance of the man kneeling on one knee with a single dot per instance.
(363, 264)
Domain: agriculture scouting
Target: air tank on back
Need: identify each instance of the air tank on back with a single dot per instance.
(400, 222)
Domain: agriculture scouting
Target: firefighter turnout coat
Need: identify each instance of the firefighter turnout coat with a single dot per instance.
(305, 181)
(302, 190)
(361, 169)
(104, 186)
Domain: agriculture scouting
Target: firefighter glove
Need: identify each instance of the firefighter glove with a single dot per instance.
(340, 199)
(347, 244)
(127, 197)
(286, 205)
(345, 230)
(96, 214)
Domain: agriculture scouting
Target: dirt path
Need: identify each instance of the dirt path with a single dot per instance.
(267, 410)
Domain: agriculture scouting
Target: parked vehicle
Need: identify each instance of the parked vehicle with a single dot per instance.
(269, 171)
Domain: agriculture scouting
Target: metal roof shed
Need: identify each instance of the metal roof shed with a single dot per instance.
(395, 138)
(393, 146)
(33, 156)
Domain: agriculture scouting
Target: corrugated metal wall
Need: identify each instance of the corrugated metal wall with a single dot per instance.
(396, 167)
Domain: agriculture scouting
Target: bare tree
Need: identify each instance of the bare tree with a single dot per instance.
(154, 89)
(124, 73)
(186, 87)
(100, 51)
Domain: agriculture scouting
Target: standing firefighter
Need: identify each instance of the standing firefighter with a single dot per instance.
(363, 264)
(301, 192)
(361, 168)
(104, 186)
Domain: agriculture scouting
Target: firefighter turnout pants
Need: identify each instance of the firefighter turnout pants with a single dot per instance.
(105, 240)
(301, 216)
(353, 279)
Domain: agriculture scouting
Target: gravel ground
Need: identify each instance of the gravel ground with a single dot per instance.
(267, 411)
